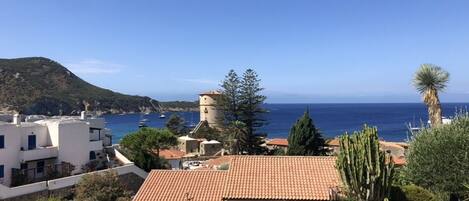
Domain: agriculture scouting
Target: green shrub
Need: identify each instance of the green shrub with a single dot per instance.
(100, 187)
(224, 166)
(49, 199)
(411, 193)
(438, 158)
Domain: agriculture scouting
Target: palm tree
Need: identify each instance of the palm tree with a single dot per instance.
(429, 80)
(236, 137)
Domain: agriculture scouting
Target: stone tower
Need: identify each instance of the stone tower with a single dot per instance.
(208, 108)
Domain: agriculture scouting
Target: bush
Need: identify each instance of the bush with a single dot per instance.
(224, 166)
(101, 187)
(411, 193)
(142, 147)
(438, 158)
(49, 199)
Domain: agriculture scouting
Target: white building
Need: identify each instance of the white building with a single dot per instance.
(36, 150)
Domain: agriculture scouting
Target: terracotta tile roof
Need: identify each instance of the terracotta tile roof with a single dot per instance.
(216, 162)
(169, 154)
(334, 142)
(281, 178)
(278, 142)
(399, 161)
(169, 185)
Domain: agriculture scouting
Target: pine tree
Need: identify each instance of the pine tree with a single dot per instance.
(176, 124)
(251, 111)
(230, 99)
(305, 139)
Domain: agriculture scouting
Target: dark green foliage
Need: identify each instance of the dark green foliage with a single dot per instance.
(234, 136)
(142, 147)
(251, 112)
(411, 193)
(399, 177)
(305, 139)
(362, 166)
(278, 152)
(177, 125)
(39, 85)
(209, 133)
(438, 157)
(101, 187)
(179, 105)
(229, 102)
(242, 101)
(49, 199)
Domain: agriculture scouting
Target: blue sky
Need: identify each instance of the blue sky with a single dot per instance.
(305, 51)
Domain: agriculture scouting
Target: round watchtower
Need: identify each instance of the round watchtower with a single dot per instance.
(208, 108)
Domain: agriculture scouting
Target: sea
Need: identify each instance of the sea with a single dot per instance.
(391, 119)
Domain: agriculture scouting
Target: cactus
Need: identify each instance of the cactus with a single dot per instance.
(366, 171)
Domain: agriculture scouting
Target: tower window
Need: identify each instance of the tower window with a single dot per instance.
(206, 110)
(2, 141)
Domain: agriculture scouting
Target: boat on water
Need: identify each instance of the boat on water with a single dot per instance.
(162, 116)
(142, 124)
(415, 129)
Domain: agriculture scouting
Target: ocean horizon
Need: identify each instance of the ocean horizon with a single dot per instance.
(332, 119)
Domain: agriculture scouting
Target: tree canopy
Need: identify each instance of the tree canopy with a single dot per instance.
(305, 139)
(242, 101)
(429, 80)
(142, 147)
(177, 125)
(438, 158)
(101, 187)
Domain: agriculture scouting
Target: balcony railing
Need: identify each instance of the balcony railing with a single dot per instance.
(96, 145)
(48, 172)
(39, 153)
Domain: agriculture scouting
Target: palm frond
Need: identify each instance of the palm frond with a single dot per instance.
(430, 77)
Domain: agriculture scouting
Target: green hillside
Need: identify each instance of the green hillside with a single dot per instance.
(39, 85)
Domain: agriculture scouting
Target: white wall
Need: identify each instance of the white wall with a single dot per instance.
(6, 192)
(74, 140)
(42, 137)
(53, 130)
(96, 122)
(9, 156)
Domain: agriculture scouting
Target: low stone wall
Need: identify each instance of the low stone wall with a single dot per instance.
(131, 182)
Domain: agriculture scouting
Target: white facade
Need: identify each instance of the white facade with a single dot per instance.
(33, 145)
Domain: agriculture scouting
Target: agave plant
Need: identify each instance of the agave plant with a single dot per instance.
(429, 80)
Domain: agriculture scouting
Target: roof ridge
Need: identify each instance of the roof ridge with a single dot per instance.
(265, 156)
(169, 170)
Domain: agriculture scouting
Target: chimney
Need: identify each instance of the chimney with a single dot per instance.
(83, 115)
(17, 119)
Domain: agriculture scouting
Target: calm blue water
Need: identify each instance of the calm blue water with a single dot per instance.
(331, 119)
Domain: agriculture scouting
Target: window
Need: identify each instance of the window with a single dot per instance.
(2, 168)
(92, 155)
(40, 167)
(23, 166)
(31, 142)
(2, 141)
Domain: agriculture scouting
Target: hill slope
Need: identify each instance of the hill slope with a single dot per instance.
(39, 85)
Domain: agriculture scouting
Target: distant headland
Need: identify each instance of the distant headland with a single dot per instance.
(38, 85)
